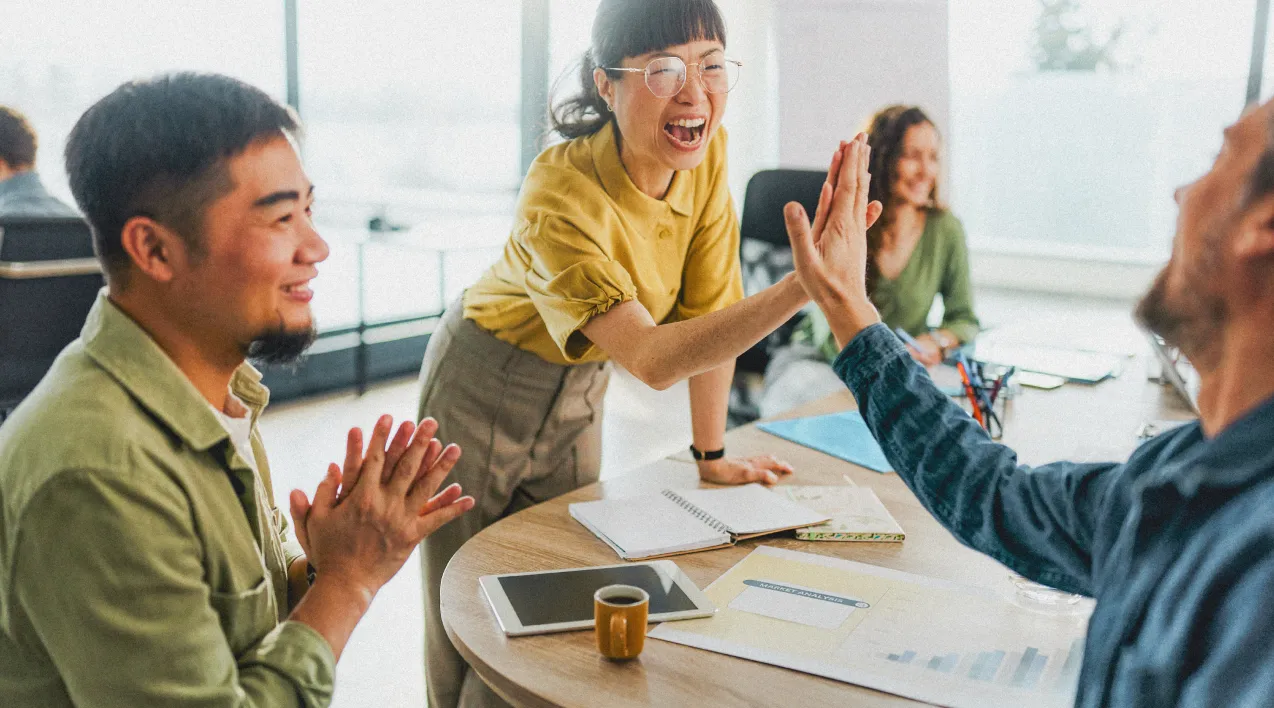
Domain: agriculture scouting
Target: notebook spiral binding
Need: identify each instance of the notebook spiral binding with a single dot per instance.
(698, 513)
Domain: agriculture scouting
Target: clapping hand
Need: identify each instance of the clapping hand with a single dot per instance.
(367, 517)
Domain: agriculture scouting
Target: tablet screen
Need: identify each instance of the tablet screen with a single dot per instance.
(549, 598)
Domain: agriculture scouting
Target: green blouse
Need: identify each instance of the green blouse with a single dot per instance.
(938, 266)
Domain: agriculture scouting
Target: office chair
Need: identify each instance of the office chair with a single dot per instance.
(766, 256)
(49, 278)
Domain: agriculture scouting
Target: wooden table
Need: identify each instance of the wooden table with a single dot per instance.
(1083, 423)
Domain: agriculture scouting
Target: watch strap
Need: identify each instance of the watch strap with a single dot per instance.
(706, 456)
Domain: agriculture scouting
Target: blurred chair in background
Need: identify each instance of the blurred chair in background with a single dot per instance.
(49, 277)
(767, 256)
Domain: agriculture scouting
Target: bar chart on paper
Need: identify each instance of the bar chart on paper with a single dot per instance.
(919, 637)
(1028, 668)
(992, 653)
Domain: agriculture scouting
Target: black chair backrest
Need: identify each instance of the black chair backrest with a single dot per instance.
(766, 252)
(49, 278)
(768, 191)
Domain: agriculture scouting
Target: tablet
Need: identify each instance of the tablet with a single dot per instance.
(560, 600)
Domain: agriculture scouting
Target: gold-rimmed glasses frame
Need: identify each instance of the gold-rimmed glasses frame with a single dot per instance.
(664, 86)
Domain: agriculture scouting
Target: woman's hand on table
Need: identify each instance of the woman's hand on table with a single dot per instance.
(765, 469)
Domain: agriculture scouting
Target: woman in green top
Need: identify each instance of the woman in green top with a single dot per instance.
(917, 252)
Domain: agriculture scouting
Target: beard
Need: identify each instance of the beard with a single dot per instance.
(281, 346)
(1192, 319)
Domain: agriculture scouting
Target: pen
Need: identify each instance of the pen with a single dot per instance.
(907, 339)
(1000, 382)
(968, 391)
(975, 372)
(979, 386)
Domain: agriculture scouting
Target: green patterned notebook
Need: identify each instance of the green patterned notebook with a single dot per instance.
(857, 514)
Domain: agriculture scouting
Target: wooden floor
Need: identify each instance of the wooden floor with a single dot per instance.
(382, 665)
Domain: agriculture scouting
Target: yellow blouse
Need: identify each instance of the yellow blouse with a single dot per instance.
(586, 239)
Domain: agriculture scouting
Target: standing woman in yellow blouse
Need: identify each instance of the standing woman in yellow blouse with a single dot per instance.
(625, 247)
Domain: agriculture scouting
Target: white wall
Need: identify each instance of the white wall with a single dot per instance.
(841, 60)
(752, 115)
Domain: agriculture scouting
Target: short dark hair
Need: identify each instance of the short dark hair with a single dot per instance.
(158, 147)
(18, 142)
(630, 28)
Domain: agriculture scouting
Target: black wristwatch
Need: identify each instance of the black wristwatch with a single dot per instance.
(310, 572)
(708, 456)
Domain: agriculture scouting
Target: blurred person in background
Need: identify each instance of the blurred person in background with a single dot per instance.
(918, 254)
(21, 191)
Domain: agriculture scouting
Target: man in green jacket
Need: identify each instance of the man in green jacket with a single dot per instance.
(142, 559)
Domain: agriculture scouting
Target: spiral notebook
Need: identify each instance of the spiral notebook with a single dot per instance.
(686, 520)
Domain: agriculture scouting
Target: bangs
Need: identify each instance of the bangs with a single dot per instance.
(652, 25)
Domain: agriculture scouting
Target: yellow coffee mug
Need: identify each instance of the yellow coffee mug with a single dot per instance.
(619, 612)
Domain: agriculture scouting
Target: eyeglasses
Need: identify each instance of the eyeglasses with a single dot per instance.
(666, 76)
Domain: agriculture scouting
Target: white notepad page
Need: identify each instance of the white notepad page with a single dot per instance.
(646, 526)
(751, 509)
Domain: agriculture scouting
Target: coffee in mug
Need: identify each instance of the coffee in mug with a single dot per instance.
(624, 600)
(619, 613)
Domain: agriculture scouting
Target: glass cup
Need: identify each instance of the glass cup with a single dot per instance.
(1037, 596)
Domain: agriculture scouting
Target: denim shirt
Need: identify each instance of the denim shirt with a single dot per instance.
(1176, 544)
(24, 195)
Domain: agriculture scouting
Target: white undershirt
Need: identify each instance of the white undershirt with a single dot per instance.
(240, 430)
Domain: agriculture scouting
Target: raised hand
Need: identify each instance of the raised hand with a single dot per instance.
(828, 192)
(831, 256)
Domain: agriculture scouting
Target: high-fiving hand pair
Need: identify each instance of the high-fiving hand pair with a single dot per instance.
(831, 254)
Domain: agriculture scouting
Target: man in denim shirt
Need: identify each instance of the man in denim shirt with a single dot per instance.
(1177, 543)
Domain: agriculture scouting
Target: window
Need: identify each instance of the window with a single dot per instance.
(412, 118)
(1074, 120)
(60, 56)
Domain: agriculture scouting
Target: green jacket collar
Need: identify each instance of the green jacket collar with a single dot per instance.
(125, 351)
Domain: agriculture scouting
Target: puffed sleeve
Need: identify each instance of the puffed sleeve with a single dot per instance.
(570, 279)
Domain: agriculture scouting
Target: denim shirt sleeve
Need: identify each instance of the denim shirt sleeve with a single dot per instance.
(1234, 640)
(1038, 521)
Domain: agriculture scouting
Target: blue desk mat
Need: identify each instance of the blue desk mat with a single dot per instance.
(842, 435)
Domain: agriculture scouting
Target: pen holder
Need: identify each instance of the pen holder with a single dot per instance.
(988, 390)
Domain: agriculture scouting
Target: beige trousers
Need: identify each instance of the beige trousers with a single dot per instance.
(528, 431)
